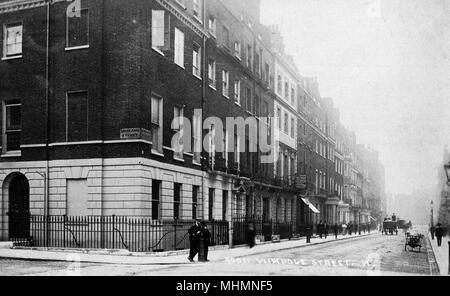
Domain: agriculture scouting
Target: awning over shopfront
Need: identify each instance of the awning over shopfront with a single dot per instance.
(310, 205)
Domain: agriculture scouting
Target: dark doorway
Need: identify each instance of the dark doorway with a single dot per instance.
(266, 209)
(19, 208)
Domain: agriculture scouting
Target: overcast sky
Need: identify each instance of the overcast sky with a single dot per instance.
(386, 63)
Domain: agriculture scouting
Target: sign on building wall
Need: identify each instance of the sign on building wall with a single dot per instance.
(135, 133)
(300, 181)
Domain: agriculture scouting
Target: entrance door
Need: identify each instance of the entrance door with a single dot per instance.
(266, 209)
(19, 208)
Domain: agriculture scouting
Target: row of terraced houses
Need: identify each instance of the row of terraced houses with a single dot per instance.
(89, 90)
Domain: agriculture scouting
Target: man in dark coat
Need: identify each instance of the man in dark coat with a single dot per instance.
(439, 232)
(336, 230)
(206, 238)
(320, 228)
(325, 229)
(251, 233)
(194, 238)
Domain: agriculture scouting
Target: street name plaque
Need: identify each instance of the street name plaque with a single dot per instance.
(135, 134)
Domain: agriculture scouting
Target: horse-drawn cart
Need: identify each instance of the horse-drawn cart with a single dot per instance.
(390, 227)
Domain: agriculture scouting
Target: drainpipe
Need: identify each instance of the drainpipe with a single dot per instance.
(103, 69)
(47, 136)
(205, 77)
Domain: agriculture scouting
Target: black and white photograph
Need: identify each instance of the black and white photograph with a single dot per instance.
(225, 139)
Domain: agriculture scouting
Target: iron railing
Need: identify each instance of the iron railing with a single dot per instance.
(116, 232)
(263, 227)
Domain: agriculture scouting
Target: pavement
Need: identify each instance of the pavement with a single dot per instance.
(372, 255)
(441, 254)
(123, 257)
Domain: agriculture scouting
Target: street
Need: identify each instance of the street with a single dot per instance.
(374, 255)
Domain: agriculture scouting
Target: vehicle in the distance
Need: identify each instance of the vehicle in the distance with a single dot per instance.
(389, 227)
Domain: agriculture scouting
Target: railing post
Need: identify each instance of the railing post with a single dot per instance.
(46, 230)
(175, 235)
(64, 231)
(102, 232)
(230, 233)
(113, 231)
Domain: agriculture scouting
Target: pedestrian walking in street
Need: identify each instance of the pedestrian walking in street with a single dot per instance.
(439, 232)
(251, 234)
(350, 228)
(206, 239)
(336, 231)
(325, 229)
(194, 239)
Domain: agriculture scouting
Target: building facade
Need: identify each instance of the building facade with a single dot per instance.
(113, 108)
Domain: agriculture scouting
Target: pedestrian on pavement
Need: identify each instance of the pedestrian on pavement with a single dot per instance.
(251, 233)
(432, 232)
(344, 229)
(320, 228)
(439, 232)
(325, 229)
(206, 238)
(194, 239)
(336, 230)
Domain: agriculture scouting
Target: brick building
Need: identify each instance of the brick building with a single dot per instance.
(93, 97)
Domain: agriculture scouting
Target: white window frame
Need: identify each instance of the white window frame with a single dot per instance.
(293, 96)
(225, 148)
(212, 144)
(179, 48)
(279, 89)
(238, 50)
(237, 92)
(249, 56)
(292, 127)
(212, 26)
(226, 84)
(157, 139)
(78, 12)
(280, 119)
(178, 116)
(212, 74)
(286, 123)
(197, 135)
(17, 54)
(197, 60)
(158, 31)
(197, 10)
(5, 129)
